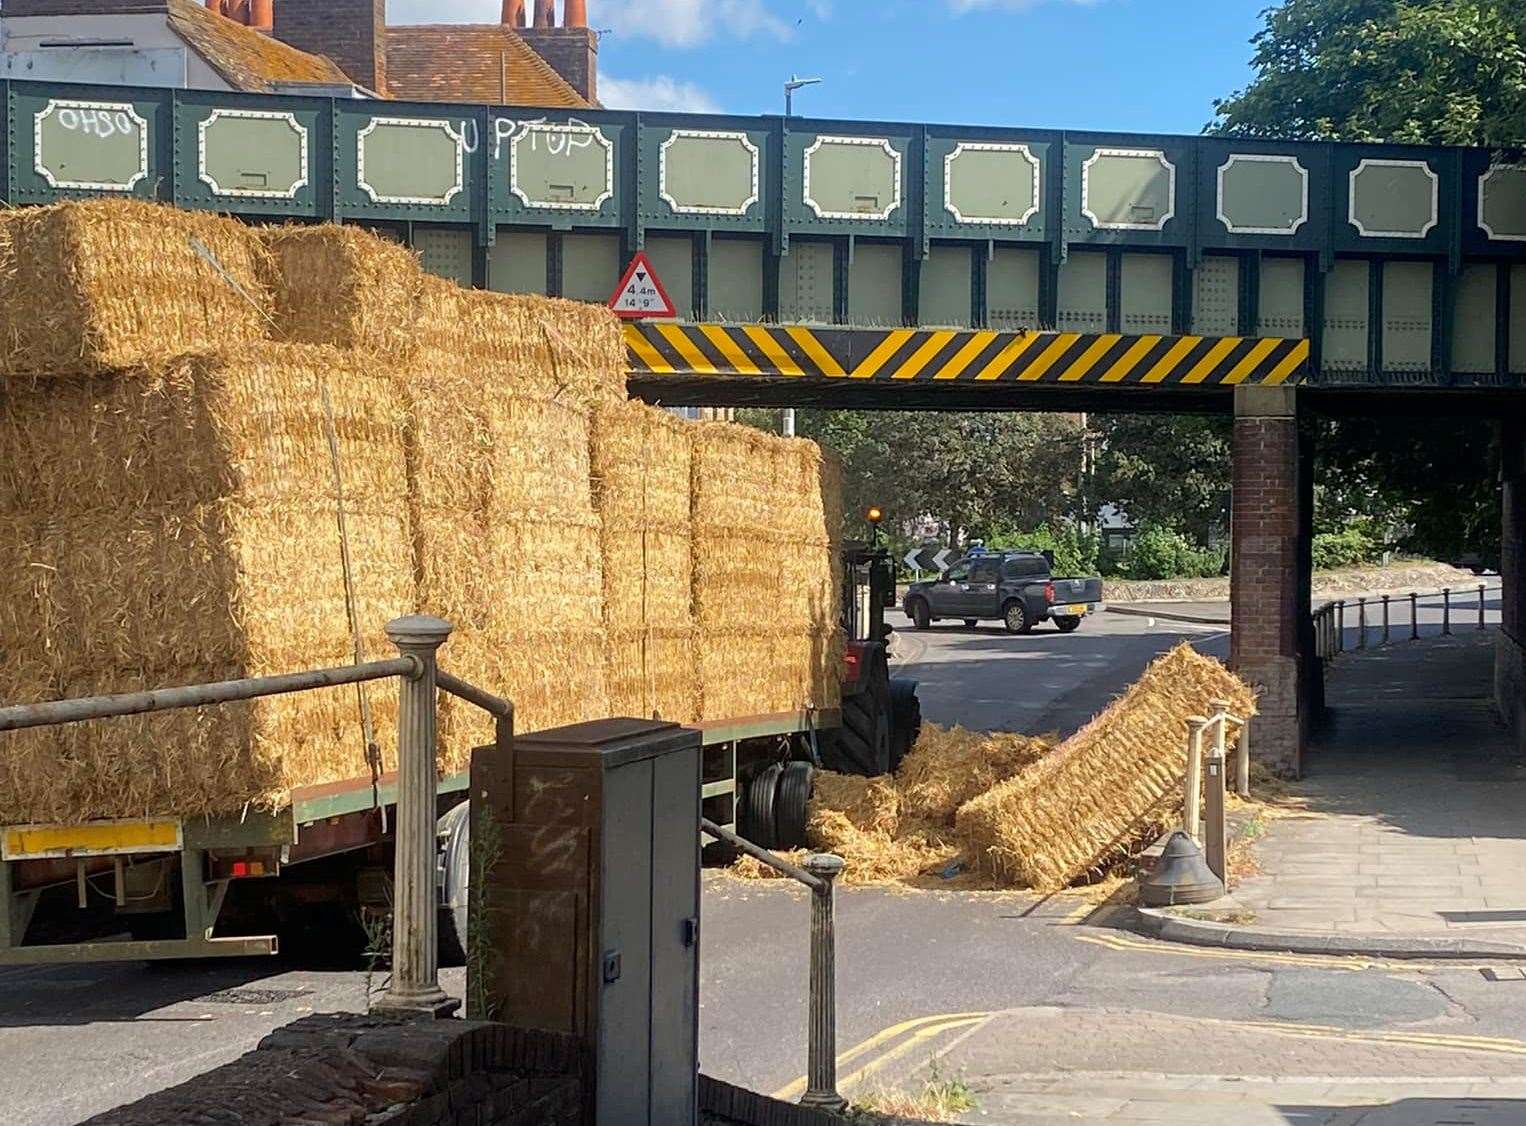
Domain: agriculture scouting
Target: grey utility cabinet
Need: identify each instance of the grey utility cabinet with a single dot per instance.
(586, 842)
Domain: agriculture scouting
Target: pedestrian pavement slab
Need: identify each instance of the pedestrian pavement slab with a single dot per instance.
(1411, 822)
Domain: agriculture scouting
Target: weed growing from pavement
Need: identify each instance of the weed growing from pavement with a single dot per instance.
(378, 948)
(940, 1097)
(484, 851)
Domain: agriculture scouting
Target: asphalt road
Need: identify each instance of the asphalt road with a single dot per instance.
(78, 1040)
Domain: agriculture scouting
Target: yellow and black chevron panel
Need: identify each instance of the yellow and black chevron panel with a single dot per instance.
(965, 356)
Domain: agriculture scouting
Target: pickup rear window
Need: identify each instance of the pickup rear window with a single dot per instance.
(1024, 568)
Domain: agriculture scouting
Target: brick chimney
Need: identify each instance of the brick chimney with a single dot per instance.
(351, 32)
(514, 13)
(572, 50)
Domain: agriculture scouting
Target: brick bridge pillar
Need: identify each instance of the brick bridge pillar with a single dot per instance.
(1510, 661)
(1270, 560)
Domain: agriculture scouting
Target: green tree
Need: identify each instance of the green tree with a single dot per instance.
(1423, 71)
(1172, 471)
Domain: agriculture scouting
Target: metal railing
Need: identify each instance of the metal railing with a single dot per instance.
(1206, 782)
(1376, 615)
(414, 984)
(819, 874)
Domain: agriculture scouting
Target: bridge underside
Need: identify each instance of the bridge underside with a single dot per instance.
(767, 365)
(1265, 382)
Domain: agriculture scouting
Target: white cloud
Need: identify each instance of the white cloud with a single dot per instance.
(657, 93)
(674, 23)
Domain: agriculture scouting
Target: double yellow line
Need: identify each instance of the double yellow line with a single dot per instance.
(897, 1041)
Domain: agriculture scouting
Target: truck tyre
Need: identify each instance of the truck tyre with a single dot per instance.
(921, 616)
(905, 719)
(455, 831)
(757, 821)
(971, 623)
(1015, 616)
(862, 744)
(790, 798)
(1068, 624)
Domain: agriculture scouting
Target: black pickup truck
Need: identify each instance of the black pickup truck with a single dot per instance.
(1014, 587)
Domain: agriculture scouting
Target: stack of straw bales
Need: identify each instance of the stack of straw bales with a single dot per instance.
(498, 393)
(108, 285)
(765, 572)
(641, 469)
(176, 523)
(1077, 808)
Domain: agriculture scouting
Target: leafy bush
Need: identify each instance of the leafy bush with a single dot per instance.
(1159, 552)
(1349, 547)
(1075, 551)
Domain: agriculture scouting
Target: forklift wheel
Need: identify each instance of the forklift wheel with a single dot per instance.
(790, 798)
(758, 807)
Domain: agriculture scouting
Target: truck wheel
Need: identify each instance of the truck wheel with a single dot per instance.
(757, 821)
(790, 800)
(971, 623)
(1015, 616)
(1068, 624)
(455, 829)
(905, 719)
(921, 616)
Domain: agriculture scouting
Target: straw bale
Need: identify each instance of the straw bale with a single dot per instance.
(874, 856)
(109, 285)
(765, 599)
(344, 286)
(949, 766)
(1072, 811)
(220, 558)
(569, 351)
(640, 465)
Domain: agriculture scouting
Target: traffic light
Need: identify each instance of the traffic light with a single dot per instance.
(874, 516)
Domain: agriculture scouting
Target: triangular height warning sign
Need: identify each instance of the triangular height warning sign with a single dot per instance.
(640, 293)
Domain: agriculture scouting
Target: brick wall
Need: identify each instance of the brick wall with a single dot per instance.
(573, 52)
(351, 32)
(351, 1068)
(1267, 558)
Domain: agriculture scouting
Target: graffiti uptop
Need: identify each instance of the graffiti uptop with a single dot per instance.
(494, 165)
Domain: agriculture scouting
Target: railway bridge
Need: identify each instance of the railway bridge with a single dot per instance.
(921, 266)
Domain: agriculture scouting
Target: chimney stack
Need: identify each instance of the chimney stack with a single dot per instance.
(514, 13)
(262, 15)
(545, 13)
(215, 6)
(574, 13)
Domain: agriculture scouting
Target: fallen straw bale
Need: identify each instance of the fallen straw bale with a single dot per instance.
(949, 766)
(870, 804)
(1069, 813)
(111, 285)
(641, 463)
(195, 536)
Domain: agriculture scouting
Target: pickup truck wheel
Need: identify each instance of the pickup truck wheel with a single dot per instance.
(1068, 624)
(758, 807)
(790, 799)
(1015, 616)
(971, 623)
(921, 616)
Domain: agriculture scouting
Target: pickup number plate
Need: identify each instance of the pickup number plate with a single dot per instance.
(1075, 610)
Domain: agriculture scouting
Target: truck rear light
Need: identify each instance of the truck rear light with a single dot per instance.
(852, 659)
(243, 867)
(1049, 593)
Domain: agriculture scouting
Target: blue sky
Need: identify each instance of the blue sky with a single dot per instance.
(1139, 65)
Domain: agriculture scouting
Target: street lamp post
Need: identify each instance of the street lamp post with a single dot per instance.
(795, 83)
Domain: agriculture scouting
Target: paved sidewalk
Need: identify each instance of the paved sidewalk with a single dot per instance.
(1044, 1065)
(1417, 807)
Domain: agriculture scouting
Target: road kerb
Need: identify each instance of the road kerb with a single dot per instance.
(1157, 923)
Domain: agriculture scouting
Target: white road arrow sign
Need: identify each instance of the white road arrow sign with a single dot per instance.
(912, 559)
(940, 560)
